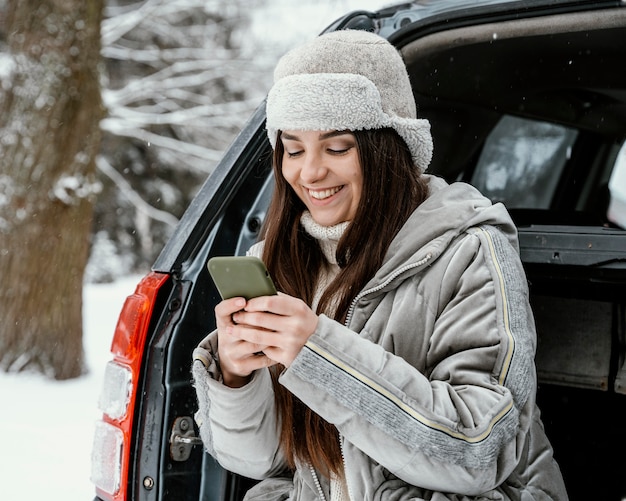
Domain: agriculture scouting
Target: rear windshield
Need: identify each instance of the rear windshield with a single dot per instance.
(522, 162)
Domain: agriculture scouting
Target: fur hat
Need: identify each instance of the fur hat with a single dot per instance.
(347, 80)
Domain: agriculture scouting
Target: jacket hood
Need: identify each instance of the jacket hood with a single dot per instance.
(449, 211)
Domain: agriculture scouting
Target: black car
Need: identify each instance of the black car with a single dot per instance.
(527, 101)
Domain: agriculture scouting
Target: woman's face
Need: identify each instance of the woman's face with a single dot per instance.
(324, 170)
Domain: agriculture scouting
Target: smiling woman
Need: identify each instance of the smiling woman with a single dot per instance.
(399, 357)
(419, 375)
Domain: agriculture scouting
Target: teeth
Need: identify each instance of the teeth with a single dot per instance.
(322, 194)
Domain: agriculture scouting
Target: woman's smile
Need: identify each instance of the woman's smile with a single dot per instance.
(324, 194)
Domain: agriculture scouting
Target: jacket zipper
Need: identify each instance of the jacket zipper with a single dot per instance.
(398, 272)
(395, 274)
(320, 492)
(316, 479)
(345, 469)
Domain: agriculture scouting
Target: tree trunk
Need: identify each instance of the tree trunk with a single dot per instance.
(50, 108)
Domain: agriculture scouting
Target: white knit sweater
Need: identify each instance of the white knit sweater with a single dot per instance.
(328, 238)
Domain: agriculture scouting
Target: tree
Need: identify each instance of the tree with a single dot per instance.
(50, 108)
(178, 88)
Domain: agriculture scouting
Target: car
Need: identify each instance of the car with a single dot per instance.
(527, 102)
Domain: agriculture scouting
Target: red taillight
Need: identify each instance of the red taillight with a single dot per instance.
(112, 438)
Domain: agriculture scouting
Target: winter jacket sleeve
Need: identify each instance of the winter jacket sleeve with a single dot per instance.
(237, 425)
(438, 384)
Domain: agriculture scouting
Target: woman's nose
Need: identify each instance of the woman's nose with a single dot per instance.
(313, 168)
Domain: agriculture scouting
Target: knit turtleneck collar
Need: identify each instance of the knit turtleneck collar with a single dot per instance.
(327, 236)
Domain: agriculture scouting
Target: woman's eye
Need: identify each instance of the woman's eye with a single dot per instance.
(293, 154)
(338, 151)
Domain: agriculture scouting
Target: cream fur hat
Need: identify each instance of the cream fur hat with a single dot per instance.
(347, 80)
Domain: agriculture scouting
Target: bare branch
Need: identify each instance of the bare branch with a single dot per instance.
(120, 128)
(127, 190)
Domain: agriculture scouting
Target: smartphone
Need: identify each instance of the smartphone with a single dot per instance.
(240, 276)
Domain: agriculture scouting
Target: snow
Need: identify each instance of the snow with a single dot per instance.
(48, 425)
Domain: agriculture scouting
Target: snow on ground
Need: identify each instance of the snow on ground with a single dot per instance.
(45, 452)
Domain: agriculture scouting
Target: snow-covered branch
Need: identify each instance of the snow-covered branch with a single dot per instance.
(201, 115)
(183, 84)
(183, 148)
(178, 88)
(127, 190)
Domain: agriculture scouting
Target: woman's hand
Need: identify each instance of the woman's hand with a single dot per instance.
(259, 333)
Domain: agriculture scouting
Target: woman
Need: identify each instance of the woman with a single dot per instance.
(397, 362)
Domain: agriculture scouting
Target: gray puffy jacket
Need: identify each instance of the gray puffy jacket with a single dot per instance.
(431, 382)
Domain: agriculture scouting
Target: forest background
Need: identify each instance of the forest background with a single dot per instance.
(178, 79)
(112, 114)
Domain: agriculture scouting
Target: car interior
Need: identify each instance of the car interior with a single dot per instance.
(532, 110)
(551, 87)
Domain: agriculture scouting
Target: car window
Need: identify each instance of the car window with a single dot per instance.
(522, 161)
(617, 189)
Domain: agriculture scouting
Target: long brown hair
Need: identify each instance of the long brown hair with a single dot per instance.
(392, 189)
